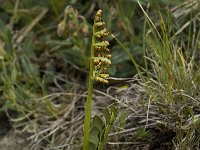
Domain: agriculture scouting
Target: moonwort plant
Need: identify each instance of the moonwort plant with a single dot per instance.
(99, 63)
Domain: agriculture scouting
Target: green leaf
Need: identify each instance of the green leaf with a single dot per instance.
(107, 116)
(98, 122)
(122, 119)
(141, 133)
(114, 112)
(92, 146)
(27, 66)
(94, 136)
(113, 108)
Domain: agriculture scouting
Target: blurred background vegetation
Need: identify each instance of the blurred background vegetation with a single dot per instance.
(44, 75)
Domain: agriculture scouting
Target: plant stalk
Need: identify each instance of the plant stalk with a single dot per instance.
(89, 97)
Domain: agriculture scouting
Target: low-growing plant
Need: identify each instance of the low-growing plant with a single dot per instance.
(99, 63)
(173, 82)
(75, 29)
(101, 126)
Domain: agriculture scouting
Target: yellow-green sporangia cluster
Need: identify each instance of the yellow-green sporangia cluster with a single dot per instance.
(101, 51)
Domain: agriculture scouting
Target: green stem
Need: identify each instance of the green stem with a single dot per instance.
(89, 98)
